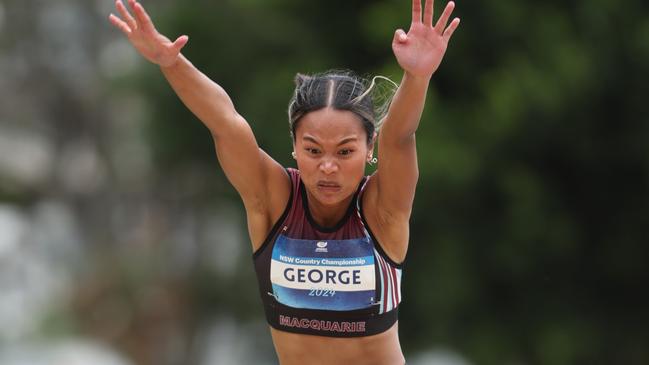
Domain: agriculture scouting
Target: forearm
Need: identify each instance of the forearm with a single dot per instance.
(202, 96)
(406, 108)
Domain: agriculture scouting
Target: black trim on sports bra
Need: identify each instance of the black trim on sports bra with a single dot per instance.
(279, 222)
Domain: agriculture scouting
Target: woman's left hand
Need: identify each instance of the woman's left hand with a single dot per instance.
(421, 50)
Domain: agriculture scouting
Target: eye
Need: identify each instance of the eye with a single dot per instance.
(345, 152)
(312, 151)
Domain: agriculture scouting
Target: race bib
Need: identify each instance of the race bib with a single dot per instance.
(331, 275)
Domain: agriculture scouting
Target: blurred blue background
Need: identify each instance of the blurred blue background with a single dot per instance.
(122, 243)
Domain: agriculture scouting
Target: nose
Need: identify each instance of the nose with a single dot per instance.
(328, 166)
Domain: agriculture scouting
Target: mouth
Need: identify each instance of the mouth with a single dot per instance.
(328, 186)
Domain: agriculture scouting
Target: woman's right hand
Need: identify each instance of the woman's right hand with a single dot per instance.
(140, 31)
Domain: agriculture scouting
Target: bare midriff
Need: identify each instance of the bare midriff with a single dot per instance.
(297, 349)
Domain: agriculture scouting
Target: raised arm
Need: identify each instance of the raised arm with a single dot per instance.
(390, 192)
(250, 170)
(419, 53)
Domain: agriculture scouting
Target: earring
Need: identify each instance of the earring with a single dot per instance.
(294, 155)
(372, 161)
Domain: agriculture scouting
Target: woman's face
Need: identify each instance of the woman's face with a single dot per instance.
(331, 150)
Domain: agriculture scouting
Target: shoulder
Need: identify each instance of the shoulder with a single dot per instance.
(390, 228)
(268, 209)
(280, 189)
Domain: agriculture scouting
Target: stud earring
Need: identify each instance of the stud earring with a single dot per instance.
(294, 155)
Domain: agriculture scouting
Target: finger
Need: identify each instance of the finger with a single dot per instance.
(428, 12)
(120, 24)
(141, 15)
(451, 28)
(416, 11)
(446, 15)
(125, 14)
(400, 36)
(180, 43)
(131, 4)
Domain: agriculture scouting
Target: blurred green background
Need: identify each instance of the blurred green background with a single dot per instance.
(122, 243)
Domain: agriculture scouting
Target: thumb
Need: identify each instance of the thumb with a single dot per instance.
(180, 43)
(400, 36)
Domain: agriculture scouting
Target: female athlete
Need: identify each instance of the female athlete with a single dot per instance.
(328, 242)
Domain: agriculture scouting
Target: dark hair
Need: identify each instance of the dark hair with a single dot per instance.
(340, 90)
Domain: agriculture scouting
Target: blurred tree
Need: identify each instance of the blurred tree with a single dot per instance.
(529, 233)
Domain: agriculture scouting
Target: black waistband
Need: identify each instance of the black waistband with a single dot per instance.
(328, 323)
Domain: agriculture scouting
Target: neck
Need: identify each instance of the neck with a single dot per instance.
(327, 215)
